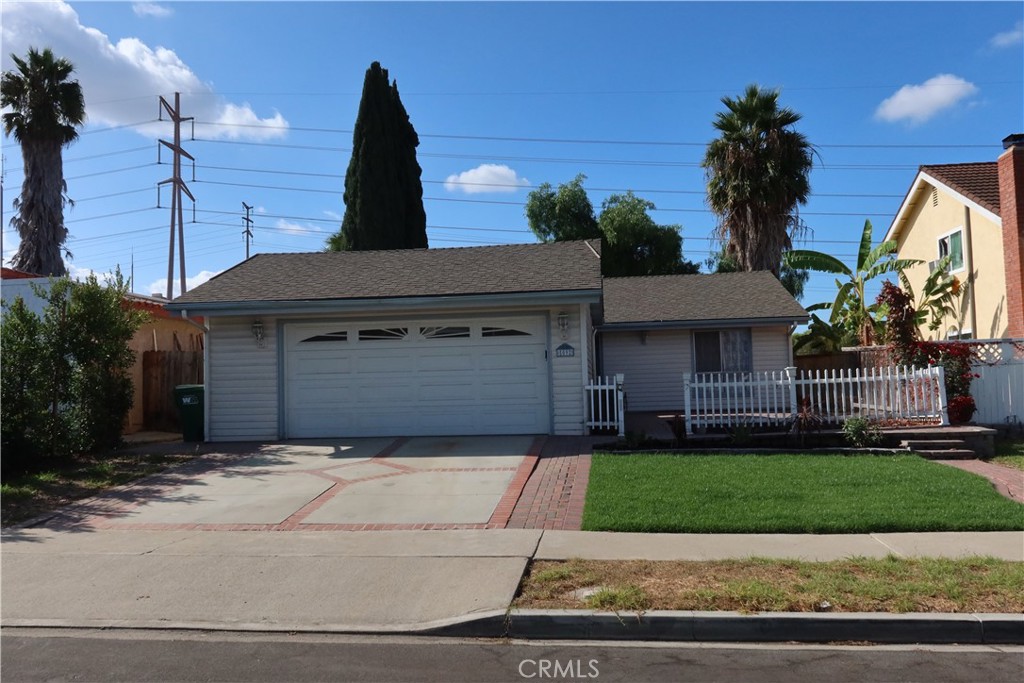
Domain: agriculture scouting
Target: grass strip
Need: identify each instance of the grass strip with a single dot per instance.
(891, 584)
(29, 495)
(790, 494)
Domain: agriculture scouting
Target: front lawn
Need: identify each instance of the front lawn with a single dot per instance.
(973, 584)
(1010, 452)
(790, 494)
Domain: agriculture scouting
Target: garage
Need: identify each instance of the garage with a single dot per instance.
(416, 377)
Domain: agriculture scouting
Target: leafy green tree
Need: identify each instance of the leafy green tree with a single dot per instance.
(23, 420)
(758, 172)
(66, 382)
(942, 296)
(45, 110)
(563, 214)
(852, 308)
(792, 279)
(632, 243)
(383, 191)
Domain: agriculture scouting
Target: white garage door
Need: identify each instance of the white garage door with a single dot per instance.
(415, 378)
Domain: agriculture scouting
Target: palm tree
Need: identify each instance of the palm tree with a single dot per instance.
(45, 109)
(757, 173)
(852, 308)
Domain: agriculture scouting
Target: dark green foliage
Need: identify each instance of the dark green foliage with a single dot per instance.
(22, 423)
(43, 109)
(861, 432)
(791, 278)
(383, 192)
(632, 243)
(758, 172)
(565, 214)
(66, 380)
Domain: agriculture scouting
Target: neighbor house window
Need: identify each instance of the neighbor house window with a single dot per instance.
(952, 245)
(954, 334)
(723, 351)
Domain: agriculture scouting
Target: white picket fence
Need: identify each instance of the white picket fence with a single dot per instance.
(606, 404)
(998, 391)
(732, 399)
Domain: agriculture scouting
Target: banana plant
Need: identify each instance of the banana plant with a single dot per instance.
(852, 309)
(942, 296)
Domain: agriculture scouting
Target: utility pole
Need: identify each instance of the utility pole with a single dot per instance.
(248, 228)
(177, 187)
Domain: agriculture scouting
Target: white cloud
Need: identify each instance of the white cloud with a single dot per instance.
(160, 286)
(121, 80)
(333, 215)
(918, 103)
(1008, 38)
(295, 228)
(151, 9)
(485, 178)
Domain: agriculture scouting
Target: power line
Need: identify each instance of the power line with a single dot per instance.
(71, 160)
(463, 183)
(581, 141)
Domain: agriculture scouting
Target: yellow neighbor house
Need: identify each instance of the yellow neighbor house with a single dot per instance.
(972, 213)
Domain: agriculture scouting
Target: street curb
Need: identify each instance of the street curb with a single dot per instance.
(877, 627)
(706, 627)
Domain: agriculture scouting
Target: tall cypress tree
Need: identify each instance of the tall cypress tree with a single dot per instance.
(383, 192)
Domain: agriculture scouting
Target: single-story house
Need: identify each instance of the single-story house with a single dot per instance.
(477, 340)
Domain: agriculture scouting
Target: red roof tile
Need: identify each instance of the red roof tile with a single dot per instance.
(976, 181)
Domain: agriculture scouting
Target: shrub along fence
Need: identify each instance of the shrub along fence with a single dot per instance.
(772, 398)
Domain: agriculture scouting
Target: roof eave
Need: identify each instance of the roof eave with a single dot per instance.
(385, 303)
(916, 188)
(703, 324)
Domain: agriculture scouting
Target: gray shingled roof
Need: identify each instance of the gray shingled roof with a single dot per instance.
(696, 298)
(507, 269)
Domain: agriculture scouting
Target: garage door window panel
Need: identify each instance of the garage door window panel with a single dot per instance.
(384, 334)
(503, 332)
(447, 332)
(341, 336)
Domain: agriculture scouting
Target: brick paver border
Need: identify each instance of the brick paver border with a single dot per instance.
(1007, 480)
(554, 494)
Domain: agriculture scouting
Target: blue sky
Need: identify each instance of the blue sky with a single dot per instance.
(509, 94)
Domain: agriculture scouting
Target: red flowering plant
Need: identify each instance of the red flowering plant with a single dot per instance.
(956, 358)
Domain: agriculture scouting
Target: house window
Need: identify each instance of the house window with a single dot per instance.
(952, 245)
(502, 332)
(723, 351)
(328, 337)
(447, 332)
(953, 334)
(383, 333)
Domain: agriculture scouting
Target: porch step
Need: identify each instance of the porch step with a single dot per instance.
(934, 444)
(951, 454)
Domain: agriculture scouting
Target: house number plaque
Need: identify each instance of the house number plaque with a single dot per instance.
(565, 351)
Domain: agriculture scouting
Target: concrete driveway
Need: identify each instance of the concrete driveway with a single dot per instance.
(338, 484)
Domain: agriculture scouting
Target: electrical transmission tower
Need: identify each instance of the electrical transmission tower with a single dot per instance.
(248, 228)
(177, 187)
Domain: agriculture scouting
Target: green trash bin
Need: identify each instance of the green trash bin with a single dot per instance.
(189, 399)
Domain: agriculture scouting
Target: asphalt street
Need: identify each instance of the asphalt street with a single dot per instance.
(143, 656)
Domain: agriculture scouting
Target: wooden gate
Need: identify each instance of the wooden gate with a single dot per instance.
(161, 372)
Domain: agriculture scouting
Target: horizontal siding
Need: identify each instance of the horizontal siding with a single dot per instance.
(653, 371)
(242, 380)
(567, 375)
(771, 348)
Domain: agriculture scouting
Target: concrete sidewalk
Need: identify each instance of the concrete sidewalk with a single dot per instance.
(601, 545)
(389, 581)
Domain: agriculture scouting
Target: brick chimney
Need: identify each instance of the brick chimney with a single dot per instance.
(1011, 209)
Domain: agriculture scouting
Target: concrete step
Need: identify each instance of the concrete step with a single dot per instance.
(933, 444)
(953, 454)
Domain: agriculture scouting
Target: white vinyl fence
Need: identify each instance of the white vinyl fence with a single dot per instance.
(727, 399)
(606, 405)
(998, 391)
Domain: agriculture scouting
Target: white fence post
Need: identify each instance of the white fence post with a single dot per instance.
(620, 403)
(686, 402)
(943, 407)
(791, 381)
